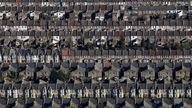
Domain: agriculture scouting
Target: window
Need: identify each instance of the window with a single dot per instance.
(22, 37)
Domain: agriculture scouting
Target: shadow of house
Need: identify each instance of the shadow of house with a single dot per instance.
(37, 103)
(65, 67)
(187, 103)
(148, 103)
(3, 102)
(97, 71)
(149, 71)
(125, 67)
(167, 72)
(20, 103)
(178, 103)
(90, 68)
(130, 102)
(91, 103)
(74, 103)
(13, 73)
(116, 69)
(80, 71)
(13, 55)
(47, 102)
(4, 68)
(182, 71)
(30, 71)
(133, 72)
(45, 72)
(22, 70)
(107, 72)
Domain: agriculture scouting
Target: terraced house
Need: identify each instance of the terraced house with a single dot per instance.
(95, 53)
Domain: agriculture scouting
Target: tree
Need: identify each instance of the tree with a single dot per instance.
(60, 75)
(147, 45)
(186, 44)
(13, 76)
(1, 77)
(177, 45)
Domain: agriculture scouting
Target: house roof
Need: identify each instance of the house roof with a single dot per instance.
(31, 67)
(82, 67)
(135, 66)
